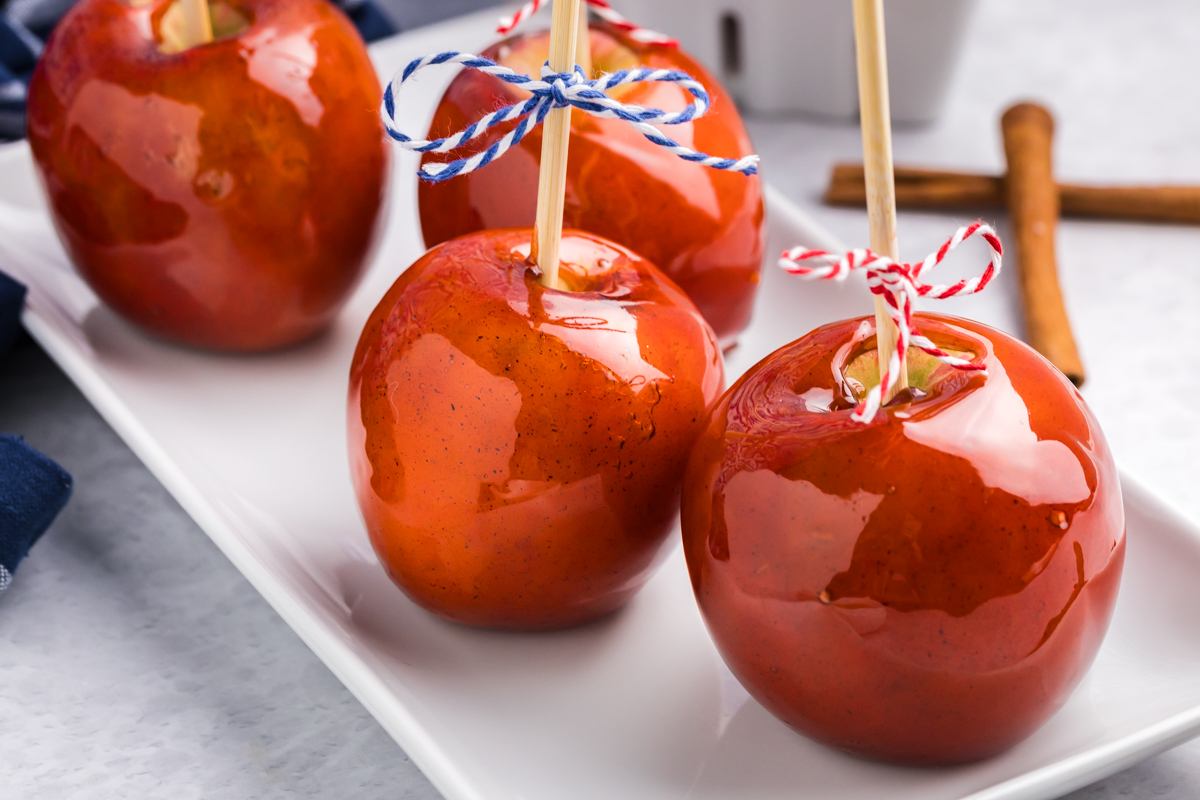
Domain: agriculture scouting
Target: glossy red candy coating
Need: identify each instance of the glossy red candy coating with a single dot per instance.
(927, 588)
(518, 451)
(226, 196)
(700, 226)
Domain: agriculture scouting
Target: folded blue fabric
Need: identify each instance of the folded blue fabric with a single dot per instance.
(12, 300)
(25, 24)
(19, 52)
(367, 17)
(33, 489)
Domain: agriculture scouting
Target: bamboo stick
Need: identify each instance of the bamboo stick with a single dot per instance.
(874, 108)
(556, 140)
(583, 49)
(197, 22)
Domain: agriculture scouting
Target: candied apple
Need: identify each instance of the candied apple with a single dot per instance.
(702, 227)
(928, 587)
(518, 451)
(225, 196)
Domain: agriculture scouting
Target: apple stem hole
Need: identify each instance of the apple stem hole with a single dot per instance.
(862, 373)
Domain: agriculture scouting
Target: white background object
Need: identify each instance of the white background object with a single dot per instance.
(787, 56)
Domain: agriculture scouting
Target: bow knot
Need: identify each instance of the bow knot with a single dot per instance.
(899, 285)
(558, 83)
(555, 90)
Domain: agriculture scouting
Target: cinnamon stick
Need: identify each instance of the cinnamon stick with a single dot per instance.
(1033, 205)
(920, 188)
(944, 190)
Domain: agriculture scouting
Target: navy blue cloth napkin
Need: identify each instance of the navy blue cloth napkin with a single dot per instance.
(20, 49)
(33, 489)
(12, 300)
(367, 17)
(25, 24)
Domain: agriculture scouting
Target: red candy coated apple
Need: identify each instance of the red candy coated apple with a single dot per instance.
(518, 451)
(926, 588)
(225, 196)
(700, 226)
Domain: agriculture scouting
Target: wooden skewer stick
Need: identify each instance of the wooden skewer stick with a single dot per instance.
(186, 24)
(875, 110)
(556, 140)
(947, 190)
(583, 50)
(197, 22)
(1033, 205)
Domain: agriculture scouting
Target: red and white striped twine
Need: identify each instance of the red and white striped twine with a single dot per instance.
(899, 284)
(603, 10)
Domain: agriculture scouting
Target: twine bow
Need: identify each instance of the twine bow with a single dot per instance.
(555, 90)
(899, 285)
(603, 10)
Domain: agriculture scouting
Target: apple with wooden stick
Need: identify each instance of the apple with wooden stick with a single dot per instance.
(618, 185)
(905, 534)
(215, 171)
(523, 401)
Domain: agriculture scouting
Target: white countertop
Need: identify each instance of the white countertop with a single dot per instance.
(136, 662)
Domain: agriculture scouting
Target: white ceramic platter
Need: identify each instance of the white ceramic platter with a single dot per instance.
(636, 706)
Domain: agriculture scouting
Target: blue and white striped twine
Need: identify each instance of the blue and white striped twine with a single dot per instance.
(555, 90)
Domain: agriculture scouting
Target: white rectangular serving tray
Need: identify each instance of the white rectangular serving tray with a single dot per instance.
(636, 706)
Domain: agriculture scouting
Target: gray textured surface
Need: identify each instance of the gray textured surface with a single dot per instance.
(136, 662)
